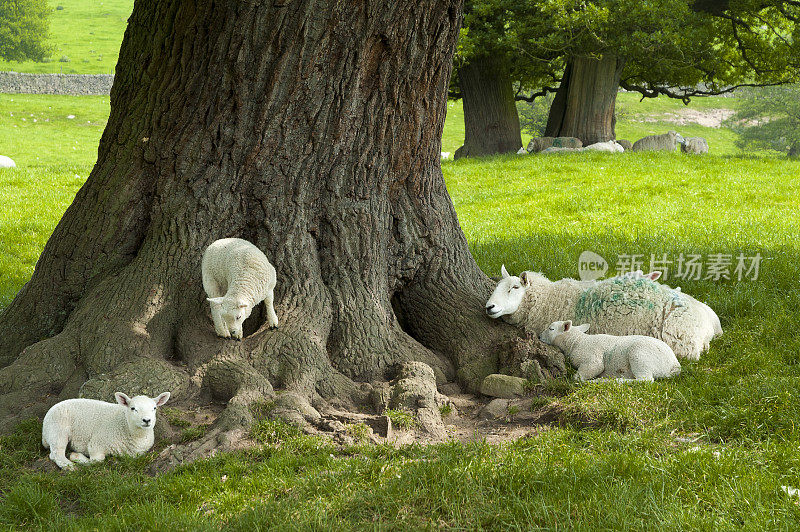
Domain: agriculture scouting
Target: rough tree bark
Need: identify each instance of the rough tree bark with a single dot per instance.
(491, 122)
(584, 104)
(311, 129)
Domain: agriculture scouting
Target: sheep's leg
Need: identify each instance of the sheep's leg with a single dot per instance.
(640, 369)
(588, 371)
(96, 455)
(78, 457)
(58, 452)
(272, 318)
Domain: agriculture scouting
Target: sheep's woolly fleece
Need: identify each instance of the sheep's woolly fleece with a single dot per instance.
(618, 306)
(634, 357)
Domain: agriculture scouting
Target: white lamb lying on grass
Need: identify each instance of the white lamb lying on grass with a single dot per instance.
(642, 358)
(620, 306)
(237, 276)
(100, 429)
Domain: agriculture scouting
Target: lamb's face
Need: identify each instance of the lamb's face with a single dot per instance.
(557, 328)
(233, 313)
(141, 410)
(553, 330)
(507, 296)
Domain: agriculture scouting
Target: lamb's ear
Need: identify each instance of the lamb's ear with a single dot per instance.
(122, 399)
(567, 325)
(653, 275)
(215, 300)
(525, 278)
(503, 271)
(583, 328)
(161, 399)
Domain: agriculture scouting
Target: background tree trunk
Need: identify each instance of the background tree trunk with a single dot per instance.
(491, 122)
(584, 104)
(311, 129)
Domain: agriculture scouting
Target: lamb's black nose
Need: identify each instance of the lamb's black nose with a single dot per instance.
(146, 421)
(489, 308)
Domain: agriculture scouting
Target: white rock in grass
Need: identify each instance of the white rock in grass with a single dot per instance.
(70, 117)
(791, 492)
(7, 162)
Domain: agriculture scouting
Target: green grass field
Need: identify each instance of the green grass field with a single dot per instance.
(708, 450)
(87, 33)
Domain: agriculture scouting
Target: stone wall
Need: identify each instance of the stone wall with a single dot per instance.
(79, 84)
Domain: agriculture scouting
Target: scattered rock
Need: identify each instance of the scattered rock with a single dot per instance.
(450, 388)
(505, 386)
(542, 143)
(464, 402)
(496, 409)
(415, 390)
(7, 162)
(532, 359)
(70, 117)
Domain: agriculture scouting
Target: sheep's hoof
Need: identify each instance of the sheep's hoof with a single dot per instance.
(273, 327)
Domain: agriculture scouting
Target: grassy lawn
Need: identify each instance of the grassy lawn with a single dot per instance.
(708, 450)
(87, 33)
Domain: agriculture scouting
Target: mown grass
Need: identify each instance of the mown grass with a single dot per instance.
(86, 32)
(708, 450)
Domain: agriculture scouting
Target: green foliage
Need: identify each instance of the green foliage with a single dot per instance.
(664, 45)
(194, 433)
(533, 115)
(86, 32)
(358, 431)
(401, 418)
(769, 118)
(271, 432)
(445, 410)
(24, 30)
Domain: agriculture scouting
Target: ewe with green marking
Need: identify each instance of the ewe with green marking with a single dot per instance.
(621, 306)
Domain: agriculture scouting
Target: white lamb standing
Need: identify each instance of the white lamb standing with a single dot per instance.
(634, 357)
(619, 306)
(99, 429)
(236, 277)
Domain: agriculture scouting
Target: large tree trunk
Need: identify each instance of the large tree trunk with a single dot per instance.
(584, 104)
(491, 122)
(312, 129)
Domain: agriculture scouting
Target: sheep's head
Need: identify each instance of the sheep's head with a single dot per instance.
(557, 328)
(508, 294)
(141, 410)
(233, 312)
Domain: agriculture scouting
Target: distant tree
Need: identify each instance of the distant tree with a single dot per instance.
(584, 51)
(769, 118)
(24, 29)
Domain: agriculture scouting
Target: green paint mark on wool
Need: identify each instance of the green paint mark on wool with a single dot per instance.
(642, 293)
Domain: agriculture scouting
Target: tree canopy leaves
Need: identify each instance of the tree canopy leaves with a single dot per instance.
(680, 48)
(24, 28)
